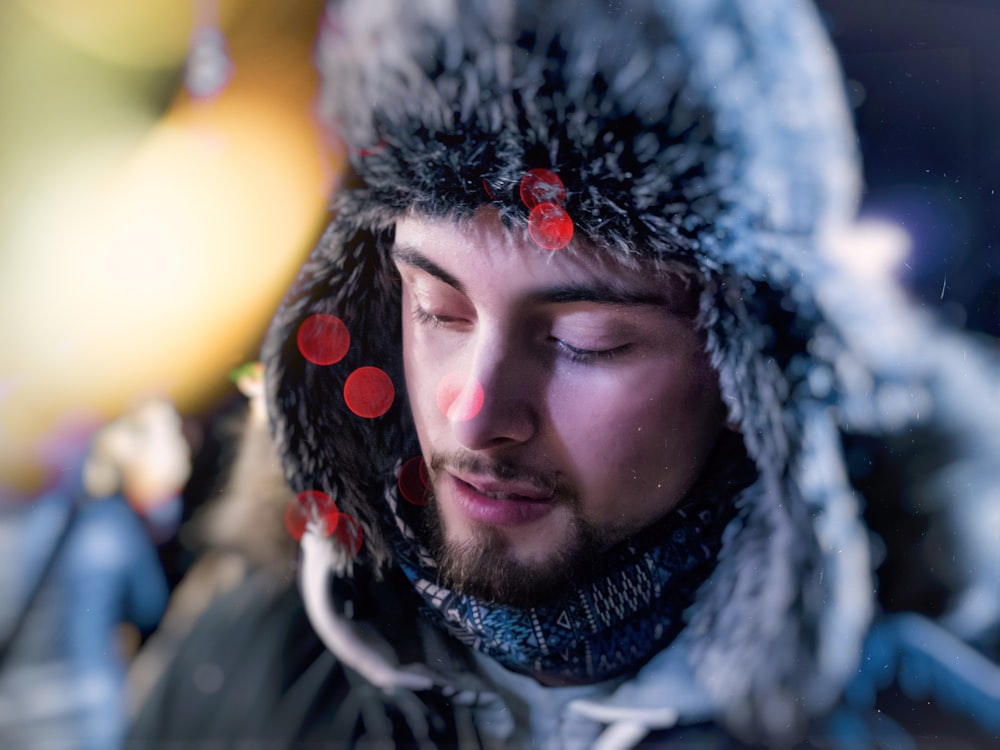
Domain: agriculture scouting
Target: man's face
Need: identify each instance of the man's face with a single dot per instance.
(562, 402)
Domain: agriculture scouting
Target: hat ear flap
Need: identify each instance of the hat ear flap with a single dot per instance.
(774, 642)
(338, 419)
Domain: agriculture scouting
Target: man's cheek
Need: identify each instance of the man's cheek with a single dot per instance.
(430, 421)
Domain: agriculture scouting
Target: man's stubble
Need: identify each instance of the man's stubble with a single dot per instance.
(485, 566)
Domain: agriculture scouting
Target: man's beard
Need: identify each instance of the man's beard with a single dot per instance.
(485, 566)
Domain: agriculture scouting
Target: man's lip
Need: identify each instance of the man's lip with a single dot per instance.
(496, 503)
(504, 489)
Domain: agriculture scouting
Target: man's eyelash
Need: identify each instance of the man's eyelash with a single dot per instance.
(420, 315)
(572, 353)
(575, 354)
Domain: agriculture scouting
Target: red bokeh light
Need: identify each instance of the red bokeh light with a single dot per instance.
(459, 396)
(550, 226)
(311, 505)
(368, 392)
(348, 532)
(542, 186)
(413, 481)
(323, 339)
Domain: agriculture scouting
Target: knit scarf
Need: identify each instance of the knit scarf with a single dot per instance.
(602, 627)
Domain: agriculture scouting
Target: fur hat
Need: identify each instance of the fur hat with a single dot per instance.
(714, 133)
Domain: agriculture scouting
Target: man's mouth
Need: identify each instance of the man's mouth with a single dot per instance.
(504, 490)
(498, 502)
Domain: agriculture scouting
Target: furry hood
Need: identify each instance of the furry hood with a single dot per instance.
(714, 132)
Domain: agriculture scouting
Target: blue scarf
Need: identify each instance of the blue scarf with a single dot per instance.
(602, 627)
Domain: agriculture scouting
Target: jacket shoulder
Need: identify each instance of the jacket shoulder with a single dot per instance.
(253, 672)
(240, 672)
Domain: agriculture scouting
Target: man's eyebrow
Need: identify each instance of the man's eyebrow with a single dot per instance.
(609, 295)
(601, 293)
(410, 256)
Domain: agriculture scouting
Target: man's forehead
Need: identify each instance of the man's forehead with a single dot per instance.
(449, 248)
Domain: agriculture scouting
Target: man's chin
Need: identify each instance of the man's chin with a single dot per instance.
(490, 568)
(502, 579)
(517, 568)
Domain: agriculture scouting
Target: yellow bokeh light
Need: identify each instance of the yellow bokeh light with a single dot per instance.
(144, 34)
(148, 258)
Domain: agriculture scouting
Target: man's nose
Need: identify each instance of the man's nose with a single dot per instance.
(494, 399)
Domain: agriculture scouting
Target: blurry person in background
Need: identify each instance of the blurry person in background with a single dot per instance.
(238, 531)
(564, 395)
(80, 562)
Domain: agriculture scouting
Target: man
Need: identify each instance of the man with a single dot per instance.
(562, 391)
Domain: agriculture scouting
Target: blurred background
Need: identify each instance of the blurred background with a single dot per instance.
(147, 231)
(924, 80)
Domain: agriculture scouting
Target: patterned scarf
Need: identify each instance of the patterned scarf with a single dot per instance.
(609, 624)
